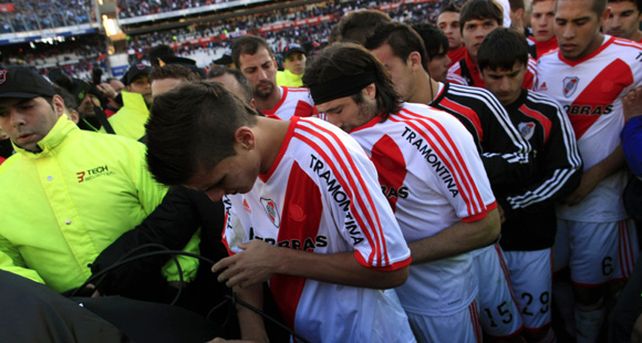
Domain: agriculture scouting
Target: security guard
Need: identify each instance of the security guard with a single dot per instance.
(130, 119)
(66, 193)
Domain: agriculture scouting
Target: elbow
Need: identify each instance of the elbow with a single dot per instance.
(493, 226)
(393, 279)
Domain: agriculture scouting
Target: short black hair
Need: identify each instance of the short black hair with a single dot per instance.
(249, 45)
(480, 10)
(173, 71)
(501, 49)
(358, 26)
(346, 59)
(218, 70)
(402, 40)
(191, 129)
(435, 41)
(638, 3)
(516, 5)
(67, 98)
(159, 52)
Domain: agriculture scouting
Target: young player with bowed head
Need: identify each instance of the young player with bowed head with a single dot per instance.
(303, 210)
(433, 178)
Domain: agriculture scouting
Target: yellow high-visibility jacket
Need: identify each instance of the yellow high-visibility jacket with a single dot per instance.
(130, 119)
(287, 78)
(61, 207)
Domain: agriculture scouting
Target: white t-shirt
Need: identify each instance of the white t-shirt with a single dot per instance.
(321, 195)
(591, 90)
(433, 177)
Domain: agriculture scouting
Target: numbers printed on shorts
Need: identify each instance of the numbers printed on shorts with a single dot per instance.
(504, 314)
(607, 266)
(544, 300)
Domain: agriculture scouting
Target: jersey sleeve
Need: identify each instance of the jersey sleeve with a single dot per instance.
(359, 209)
(559, 164)
(472, 197)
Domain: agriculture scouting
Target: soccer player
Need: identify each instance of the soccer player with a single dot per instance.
(304, 210)
(436, 44)
(529, 228)
(542, 17)
(448, 22)
(478, 18)
(433, 178)
(499, 143)
(624, 20)
(588, 77)
(254, 58)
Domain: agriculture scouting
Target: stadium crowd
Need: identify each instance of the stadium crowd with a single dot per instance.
(415, 173)
(36, 15)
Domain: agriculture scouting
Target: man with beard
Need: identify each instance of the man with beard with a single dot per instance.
(254, 58)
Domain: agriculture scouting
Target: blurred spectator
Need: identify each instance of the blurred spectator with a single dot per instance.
(32, 15)
(293, 67)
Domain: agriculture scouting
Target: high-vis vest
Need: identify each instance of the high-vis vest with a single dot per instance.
(61, 207)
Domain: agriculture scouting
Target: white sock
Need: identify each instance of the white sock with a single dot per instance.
(589, 323)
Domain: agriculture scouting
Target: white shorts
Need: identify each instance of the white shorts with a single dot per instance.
(596, 253)
(499, 314)
(531, 278)
(462, 326)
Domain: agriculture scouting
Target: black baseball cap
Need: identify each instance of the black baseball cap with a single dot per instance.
(135, 71)
(23, 82)
(292, 48)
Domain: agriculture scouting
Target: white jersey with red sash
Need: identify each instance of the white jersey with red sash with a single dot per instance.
(322, 196)
(591, 90)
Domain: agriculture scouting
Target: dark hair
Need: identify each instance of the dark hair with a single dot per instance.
(401, 38)
(480, 10)
(218, 70)
(68, 98)
(249, 45)
(159, 52)
(358, 26)
(449, 7)
(638, 3)
(191, 128)
(516, 5)
(346, 59)
(173, 71)
(435, 41)
(501, 49)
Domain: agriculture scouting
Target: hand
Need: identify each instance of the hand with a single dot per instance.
(107, 90)
(254, 265)
(632, 103)
(590, 179)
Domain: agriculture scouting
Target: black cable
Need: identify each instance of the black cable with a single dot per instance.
(234, 300)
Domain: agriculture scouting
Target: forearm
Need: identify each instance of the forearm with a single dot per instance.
(341, 268)
(250, 322)
(456, 239)
(609, 165)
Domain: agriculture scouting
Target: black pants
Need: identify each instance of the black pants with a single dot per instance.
(31, 312)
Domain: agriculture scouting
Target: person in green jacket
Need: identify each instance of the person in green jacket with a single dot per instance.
(66, 193)
(293, 67)
(130, 119)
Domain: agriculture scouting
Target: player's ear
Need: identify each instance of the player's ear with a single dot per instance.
(370, 91)
(244, 136)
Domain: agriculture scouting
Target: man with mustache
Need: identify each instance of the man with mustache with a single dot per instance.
(254, 58)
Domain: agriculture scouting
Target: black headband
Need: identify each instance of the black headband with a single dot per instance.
(343, 86)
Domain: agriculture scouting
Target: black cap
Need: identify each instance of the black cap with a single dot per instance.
(23, 82)
(292, 48)
(135, 71)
